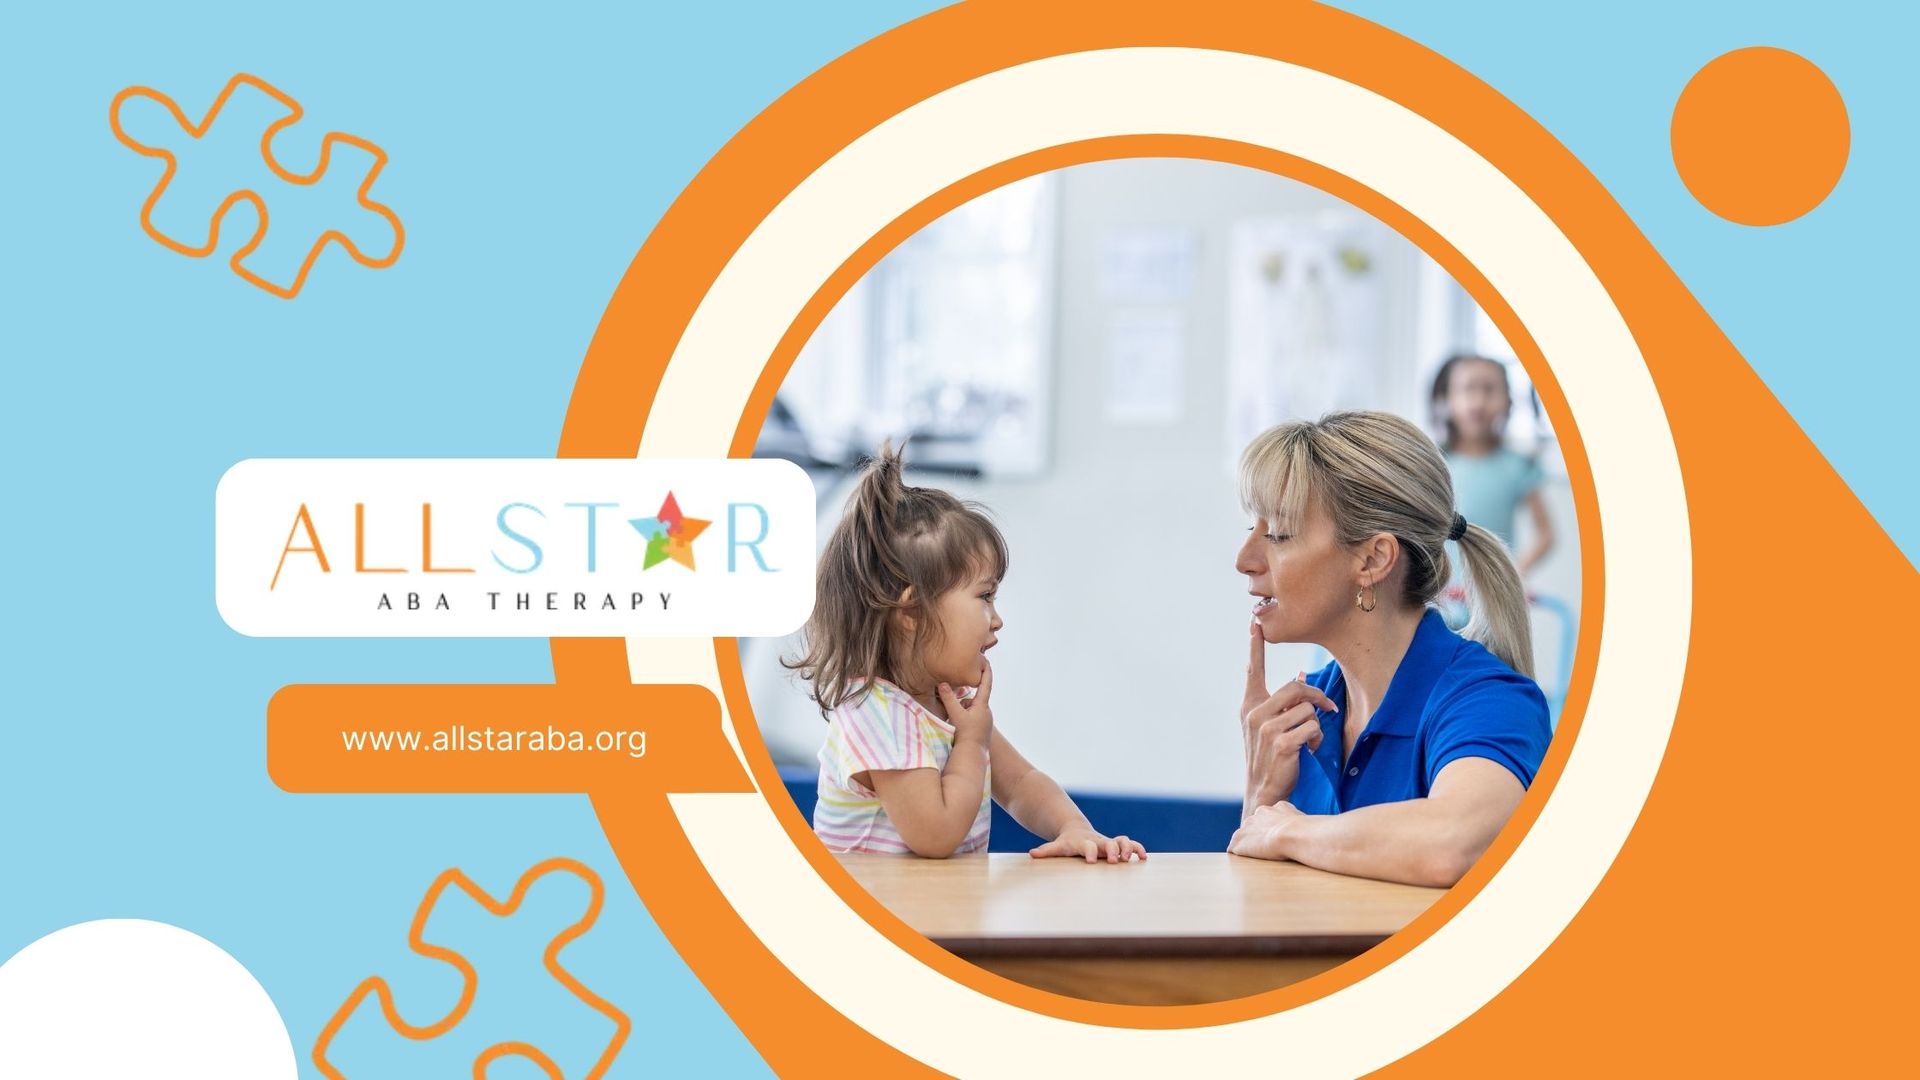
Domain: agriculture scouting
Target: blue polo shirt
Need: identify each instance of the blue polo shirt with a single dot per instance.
(1449, 699)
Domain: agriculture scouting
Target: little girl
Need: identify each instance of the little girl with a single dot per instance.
(1472, 400)
(896, 652)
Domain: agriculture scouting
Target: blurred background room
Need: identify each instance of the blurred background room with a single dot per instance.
(1085, 352)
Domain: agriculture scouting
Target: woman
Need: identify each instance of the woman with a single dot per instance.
(1403, 758)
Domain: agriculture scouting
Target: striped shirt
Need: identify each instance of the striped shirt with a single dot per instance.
(884, 729)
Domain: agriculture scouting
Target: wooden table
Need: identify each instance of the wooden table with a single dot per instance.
(1178, 928)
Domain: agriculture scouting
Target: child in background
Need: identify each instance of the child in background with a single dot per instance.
(1472, 400)
(898, 637)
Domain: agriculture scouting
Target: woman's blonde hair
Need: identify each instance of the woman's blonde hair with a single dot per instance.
(892, 538)
(1377, 473)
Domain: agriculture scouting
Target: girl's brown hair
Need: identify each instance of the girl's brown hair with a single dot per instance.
(896, 549)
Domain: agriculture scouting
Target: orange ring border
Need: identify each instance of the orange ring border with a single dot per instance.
(773, 153)
(760, 763)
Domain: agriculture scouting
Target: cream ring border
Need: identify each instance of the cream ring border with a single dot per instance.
(1636, 474)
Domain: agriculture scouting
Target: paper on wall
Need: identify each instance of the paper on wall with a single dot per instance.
(1147, 265)
(1146, 366)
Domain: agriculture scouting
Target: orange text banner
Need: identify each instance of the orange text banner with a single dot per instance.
(503, 738)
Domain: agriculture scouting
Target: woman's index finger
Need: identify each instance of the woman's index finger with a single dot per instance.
(1257, 662)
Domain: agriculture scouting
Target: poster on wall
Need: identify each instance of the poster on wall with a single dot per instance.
(1307, 303)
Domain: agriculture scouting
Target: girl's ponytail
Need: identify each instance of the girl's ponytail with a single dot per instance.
(875, 510)
(896, 548)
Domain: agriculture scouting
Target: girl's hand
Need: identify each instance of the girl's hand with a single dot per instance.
(1082, 842)
(1260, 836)
(1275, 726)
(973, 717)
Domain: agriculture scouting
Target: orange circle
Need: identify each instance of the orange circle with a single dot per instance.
(1760, 136)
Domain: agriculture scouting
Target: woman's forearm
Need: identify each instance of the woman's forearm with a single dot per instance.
(1420, 841)
(1427, 841)
(1253, 800)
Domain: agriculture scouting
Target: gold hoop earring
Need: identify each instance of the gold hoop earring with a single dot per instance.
(1364, 599)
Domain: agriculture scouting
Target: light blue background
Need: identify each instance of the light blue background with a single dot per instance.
(1821, 306)
(532, 152)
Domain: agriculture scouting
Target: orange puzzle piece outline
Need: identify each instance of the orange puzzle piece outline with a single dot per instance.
(259, 204)
(470, 979)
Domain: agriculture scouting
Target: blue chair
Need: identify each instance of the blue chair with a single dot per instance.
(1563, 672)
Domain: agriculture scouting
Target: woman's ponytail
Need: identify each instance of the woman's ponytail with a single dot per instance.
(1497, 600)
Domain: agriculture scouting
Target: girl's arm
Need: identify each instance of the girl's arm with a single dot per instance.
(1430, 841)
(1042, 808)
(934, 810)
(1542, 531)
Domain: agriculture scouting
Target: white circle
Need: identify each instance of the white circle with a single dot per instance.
(1495, 226)
(132, 997)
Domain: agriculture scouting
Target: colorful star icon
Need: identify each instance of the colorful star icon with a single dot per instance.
(669, 534)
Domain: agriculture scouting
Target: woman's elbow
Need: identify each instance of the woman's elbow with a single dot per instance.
(1445, 863)
(1441, 869)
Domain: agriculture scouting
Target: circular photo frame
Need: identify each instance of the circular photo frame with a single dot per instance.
(829, 179)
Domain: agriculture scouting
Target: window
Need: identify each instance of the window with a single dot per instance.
(948, 341)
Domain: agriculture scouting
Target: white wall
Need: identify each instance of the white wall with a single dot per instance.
(1121, 664)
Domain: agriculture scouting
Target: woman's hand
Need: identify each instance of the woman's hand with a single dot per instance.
(972, 718)
(1275, 726)
(1082, 842)
(1261, 836)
